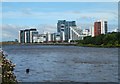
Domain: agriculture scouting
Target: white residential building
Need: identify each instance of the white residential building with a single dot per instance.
(75, 34)
(92, 31)
(32, 33)
(86, 32)
(104, 26)
(48, 37)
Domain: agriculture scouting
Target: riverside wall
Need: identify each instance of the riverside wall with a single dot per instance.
(6, 70)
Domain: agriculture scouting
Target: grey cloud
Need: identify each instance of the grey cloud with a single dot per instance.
(10, 32)
(73, 12)
(58, 15)
(46, 28)
(27, 11)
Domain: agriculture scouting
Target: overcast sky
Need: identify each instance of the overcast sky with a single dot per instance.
(44, 15)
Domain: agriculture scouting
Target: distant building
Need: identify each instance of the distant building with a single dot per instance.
(26, 36)
(53, 37)
(97, 28)
(40, 38)
(35, 39)
(75, 34)
(33, 32)
(67, 31)
(63, 27)
(48, 37)
(16, 40)
(60, 25)
(116, 30)
(57, 37)
(86, 32)
(100, 27)
(21, 36)
(92, 31)
(104, 27)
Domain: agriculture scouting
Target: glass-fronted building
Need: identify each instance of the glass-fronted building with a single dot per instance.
(63, 27)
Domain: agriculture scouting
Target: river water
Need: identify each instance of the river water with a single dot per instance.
(63, 63)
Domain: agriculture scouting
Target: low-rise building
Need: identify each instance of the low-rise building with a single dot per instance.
(40, 38)
(86, 32)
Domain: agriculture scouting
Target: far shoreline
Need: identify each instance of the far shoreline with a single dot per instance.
(61, 44)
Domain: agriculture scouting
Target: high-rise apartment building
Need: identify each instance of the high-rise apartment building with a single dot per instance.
(97, 28)
(104, 27)
(63, 27)
(92, 31)
(26, 36)
(100, 27)
(33, 32)
(48, 37)
(21, 36)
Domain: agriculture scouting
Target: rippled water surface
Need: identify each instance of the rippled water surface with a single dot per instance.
(63, 63)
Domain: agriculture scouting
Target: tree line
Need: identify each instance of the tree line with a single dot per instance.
(109, 39)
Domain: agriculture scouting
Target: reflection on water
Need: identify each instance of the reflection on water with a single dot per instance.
(64, 63)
